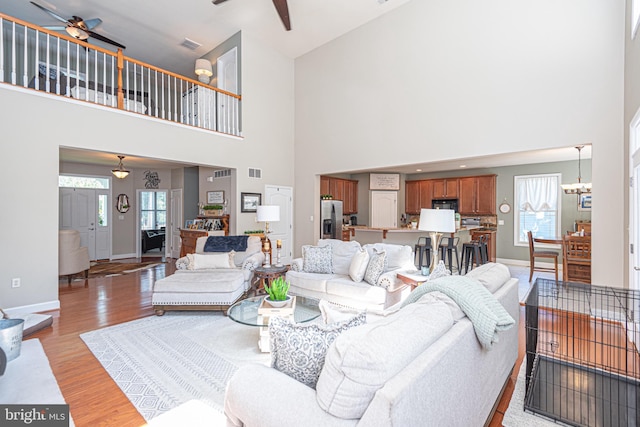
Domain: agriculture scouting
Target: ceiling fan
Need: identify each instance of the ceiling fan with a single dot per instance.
(77, 27)
(281, 7)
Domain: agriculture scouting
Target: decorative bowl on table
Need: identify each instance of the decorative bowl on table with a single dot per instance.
(278, 303)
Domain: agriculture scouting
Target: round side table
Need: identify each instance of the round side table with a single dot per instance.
(262, 275)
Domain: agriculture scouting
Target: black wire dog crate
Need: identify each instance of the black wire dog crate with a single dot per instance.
(582, 360)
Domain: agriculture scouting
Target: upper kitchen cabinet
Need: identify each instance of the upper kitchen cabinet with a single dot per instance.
(324, 185)
(445, 188)
(341, 189)
(426, 192)
(412, 197)
(477, 195)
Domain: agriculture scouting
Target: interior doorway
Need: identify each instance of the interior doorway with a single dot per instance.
(152, 222)
(281, 230)
(84, 206)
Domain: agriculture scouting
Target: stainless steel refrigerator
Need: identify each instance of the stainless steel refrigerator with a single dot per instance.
(331, 219)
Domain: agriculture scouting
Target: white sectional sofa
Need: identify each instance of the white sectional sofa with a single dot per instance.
(338, 286)
(203, 281)
(437, 372)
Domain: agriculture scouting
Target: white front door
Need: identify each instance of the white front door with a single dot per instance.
(79, 209)
(384, 209)
(175, 219)
(283, 229)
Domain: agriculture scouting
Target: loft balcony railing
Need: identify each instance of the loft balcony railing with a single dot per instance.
(36, 58)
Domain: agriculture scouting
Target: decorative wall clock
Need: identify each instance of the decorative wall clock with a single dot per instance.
(505, 207)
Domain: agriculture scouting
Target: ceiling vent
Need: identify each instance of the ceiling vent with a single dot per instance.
(255, 173)
(190, 44)
(223, 173)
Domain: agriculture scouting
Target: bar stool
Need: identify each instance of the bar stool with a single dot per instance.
(449, 246)
(474, 252)
(423, 247)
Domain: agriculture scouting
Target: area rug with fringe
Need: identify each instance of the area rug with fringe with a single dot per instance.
(102, 269)
(162, 362)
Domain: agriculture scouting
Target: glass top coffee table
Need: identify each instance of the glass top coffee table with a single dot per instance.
(246, 311)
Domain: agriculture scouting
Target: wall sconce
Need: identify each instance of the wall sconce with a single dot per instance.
(203, 70)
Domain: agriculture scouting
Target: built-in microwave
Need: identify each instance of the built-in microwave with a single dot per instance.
(445, 204)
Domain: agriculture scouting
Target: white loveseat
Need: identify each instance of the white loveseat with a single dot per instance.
(338, 286)
(207, 280)
(443, 376)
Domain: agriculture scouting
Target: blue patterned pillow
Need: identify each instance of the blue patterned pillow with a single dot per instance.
(317, 259)
(299, 350)
(376, 267)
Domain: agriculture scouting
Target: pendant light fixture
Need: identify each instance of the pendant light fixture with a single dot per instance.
(578, 187)
(120, 172)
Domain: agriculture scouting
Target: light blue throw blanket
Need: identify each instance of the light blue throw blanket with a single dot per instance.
(486, 313)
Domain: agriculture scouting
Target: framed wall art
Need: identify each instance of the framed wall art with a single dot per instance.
(584, 202)
(249, 202)
(215, 197)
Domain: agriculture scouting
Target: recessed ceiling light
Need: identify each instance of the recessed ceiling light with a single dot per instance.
(463, 166)
(418, 170)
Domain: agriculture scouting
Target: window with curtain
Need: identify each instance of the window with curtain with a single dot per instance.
(537, 207)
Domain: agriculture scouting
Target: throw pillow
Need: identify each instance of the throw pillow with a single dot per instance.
(299, 350)
(317, 259)
(375, 267)
(212, 260)
(358, 265)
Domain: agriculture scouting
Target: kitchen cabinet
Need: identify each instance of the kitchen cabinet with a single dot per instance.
(324, 185)
(342, 189)
(351, 197)
(426, 193)
(412, 197)
(445, 188)
(477, 195)
(491, 242)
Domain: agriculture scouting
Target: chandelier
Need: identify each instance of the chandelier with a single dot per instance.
(578, 187)
(120, 171)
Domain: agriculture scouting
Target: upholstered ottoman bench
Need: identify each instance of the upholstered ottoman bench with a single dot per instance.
(198, 290)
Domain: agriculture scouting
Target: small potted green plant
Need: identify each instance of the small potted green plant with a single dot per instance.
(213, 210)
(277, 292)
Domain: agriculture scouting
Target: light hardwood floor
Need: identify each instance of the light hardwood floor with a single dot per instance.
(94, 398)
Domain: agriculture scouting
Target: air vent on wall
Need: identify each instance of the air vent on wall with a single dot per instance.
(222, 173)
(255, 173)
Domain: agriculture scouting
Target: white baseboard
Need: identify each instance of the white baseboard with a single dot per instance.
(123, 256)
(523, 263)
(33, 308)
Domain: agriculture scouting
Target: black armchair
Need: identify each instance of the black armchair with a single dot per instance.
(152, 239)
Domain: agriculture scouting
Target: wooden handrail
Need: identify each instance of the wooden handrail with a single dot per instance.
(120, 57)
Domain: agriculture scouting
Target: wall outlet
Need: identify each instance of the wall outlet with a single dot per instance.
(15, 283)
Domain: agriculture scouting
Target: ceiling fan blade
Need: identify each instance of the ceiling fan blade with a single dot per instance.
(216, 2)
(105, 39)
(50, 12)
(283, 11)
(90, 24)
(55, 28)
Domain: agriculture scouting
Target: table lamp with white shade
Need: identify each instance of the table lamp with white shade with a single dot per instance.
(436, 222)
(267, 214)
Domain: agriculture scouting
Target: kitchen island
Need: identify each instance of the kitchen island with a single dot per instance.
(402, 236)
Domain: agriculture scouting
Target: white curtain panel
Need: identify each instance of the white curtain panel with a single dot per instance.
(537, 194)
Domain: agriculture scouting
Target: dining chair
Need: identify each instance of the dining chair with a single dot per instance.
(533, 254)
(576, 259)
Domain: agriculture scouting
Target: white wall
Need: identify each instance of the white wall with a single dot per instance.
(436, 80)
(34, 126)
